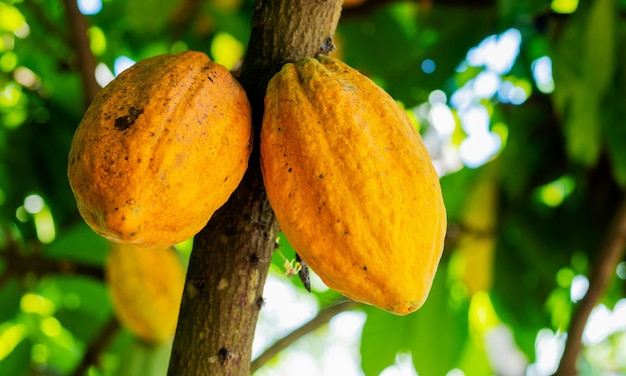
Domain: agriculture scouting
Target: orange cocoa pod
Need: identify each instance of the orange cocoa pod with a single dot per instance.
(351, 184)
(160, 149)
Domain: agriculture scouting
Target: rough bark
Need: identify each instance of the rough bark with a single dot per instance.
(86, 60)
(285, 31)
(232, 254)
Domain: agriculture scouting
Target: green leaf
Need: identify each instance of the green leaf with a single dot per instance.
(439, 330)
(403, 36)
(584, 73)
(147, 17)
(17, 363)
(434, 335)
(615, 135)
(454, 189)
(522, 163)
(474, 360)
(382, 338)
(11, 19)
(10, 295)
(86, 305)
(583, 129)
(79, 243)
(146, 360)
(599, 46)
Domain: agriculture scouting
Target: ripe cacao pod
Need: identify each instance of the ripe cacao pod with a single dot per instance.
(160, 149)
(351, 184)
(146, 287)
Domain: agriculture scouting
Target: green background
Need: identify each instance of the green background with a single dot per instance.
(524, 224)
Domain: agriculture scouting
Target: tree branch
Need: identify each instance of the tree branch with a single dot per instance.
(284, 31)
(603, 271)
(19, 263)
(97, 346)
(43, 19)
(232, 254)
(86, 60)
(322, 318)
(183, 15)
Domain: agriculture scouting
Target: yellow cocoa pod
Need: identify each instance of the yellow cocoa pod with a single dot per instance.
(146, 287)
(160, 149)
(477, 241)
(351, 183)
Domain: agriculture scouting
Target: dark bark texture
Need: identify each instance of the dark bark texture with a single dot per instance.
(232, 254)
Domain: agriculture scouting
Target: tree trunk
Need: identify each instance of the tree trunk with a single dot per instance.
(232, 254)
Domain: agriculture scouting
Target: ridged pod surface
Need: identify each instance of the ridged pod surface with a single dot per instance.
(351, 184)
(160, 149)
(146, 287)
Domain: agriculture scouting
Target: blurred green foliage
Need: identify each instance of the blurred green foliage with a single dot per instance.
(558, 174)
